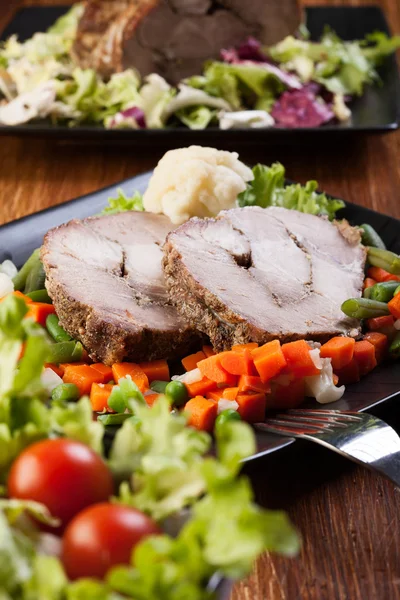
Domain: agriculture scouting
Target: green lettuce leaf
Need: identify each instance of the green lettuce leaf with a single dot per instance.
(48, 580)
(75, 420)
(196, 118)
(122, 203)
(16, 556)
(268, 189)
(13, 508)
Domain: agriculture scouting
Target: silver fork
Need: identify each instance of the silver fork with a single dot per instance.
(363, 438)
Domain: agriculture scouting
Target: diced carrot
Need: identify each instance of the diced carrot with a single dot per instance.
(19, 294)
(156, 370)
(121, 370)
(287, 396)
(252, 406)
(190, 362)
(39, 311)
(383, 325)
(200, 388)
(238, 363)
(83, 377)
(364, 355)
(230, 393)
(57, 370)
(212, 368)
(104, 370)
(335, 379)
(208, 351)
(240, 347)
(394, 306)
(215, 395)
(298, 359)
(381, 275)
(63, 366)
(99, 395)
(380, 342)
(202, 413)
(151, 398)
(251, 383)
(368, 282)
(340, 350)
(269, 360)
(349, 374)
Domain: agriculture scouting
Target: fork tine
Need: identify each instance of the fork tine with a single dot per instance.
(312, 420)
(319, 412)
(295, 426)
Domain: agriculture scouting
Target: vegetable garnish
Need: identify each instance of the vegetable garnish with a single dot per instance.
(296, 83)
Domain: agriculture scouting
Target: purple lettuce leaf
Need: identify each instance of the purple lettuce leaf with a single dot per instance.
(128, 114)
(301, 108)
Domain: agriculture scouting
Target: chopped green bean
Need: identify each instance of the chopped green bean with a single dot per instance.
(55, 329)
(36, 278)
(20, 279)
(394, 348)
(65, 392)
(397, 291)
(384, 291)
(370, 237)
(158, 386)
(364, 308)
(367, 292)
(384, 259)
(227, 415)
(115, 419)
(65, 352)
(40, 296)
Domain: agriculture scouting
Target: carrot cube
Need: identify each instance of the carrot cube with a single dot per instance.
(394, 306)
(252, 406)
(208, 351)
(240, 347)
(190, 362)
(230, 393)
(104, 370)
(238, 363)
(215, 395)
(269, 360)
(364, 355)
(83, 377)
(250, 383)
(99, 395)
(39, 311)
(121, 370)
(202, 413)
(368, 282)
(349, 374)
(156, 370)
(201, 387)
(380, 342)
(287, 396)
(212, 368)
(298, 359)
(340, 350)
(57, 370)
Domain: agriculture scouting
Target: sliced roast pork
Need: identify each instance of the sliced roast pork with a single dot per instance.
(105, 278)
(255, 274)
(174, 37)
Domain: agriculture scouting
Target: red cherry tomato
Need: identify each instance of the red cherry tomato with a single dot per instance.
(64, 475)
(102, 536)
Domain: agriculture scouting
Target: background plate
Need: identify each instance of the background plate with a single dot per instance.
(19, 238)
(377, 110)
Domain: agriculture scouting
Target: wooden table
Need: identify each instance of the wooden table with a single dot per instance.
(349, 518)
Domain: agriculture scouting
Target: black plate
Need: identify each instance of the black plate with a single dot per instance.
(19, 238)
(377, 110)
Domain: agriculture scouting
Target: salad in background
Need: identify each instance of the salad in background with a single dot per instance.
(296, 83)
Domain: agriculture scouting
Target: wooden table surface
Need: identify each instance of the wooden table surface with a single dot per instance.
(349, 518)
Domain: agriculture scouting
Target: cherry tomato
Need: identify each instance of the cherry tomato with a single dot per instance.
(102, 536)
(64, 475)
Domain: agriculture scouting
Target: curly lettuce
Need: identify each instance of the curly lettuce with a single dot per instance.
(268, 188)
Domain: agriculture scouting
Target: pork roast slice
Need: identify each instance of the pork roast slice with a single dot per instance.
(255, 274)
(175, 37)
(105, 278)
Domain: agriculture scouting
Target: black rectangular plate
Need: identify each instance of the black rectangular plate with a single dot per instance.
(376, 111)
(19, 238)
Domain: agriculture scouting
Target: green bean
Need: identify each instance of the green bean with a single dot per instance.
(384, 291)
(40, 296)
(115, 419)
(65, 392)
(397, 291)
(21, 277)
(367, 292)
(363, 308)
(177, 393)
(158, 386)
(394, 347)
(384, 259)
(370, 237)
(65, 352)
(36, 278)
(55, 329)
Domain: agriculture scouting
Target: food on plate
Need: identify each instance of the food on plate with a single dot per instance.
(253, 275)
(173, 38)
(104, 276)
(151, 64)
(196, 181)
